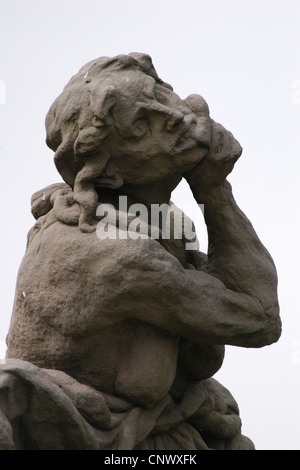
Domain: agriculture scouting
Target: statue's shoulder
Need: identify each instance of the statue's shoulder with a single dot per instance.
(57, 225)
(41, 200)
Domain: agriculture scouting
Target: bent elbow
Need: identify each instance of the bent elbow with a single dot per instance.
(269, 330)
(273, 327)
(273, 331)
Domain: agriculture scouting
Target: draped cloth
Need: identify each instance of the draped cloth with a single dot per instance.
(42, 409)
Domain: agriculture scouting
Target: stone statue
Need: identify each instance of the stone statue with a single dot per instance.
(116, 334)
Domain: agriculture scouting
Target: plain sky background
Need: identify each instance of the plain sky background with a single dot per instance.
(242, 56)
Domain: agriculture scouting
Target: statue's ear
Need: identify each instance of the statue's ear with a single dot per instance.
(102, 102)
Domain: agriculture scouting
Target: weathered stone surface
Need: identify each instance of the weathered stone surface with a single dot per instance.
(47, 409)
(119, 336)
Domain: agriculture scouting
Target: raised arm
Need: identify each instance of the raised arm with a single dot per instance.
(188, 303)
(235, 254)
(234, 301)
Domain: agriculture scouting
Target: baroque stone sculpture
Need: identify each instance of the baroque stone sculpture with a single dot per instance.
(116, 334)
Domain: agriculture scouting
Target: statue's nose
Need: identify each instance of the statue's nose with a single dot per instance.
(200, 128)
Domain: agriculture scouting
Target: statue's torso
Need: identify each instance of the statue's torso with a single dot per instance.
(66, 316)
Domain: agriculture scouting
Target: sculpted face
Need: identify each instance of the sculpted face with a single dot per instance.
(117, 125)
(154, 133)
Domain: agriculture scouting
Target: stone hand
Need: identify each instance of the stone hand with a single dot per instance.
(219, 161)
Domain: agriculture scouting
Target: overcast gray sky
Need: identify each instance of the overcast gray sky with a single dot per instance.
(242, 56)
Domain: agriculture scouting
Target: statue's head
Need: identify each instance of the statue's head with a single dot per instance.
(119, 118)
